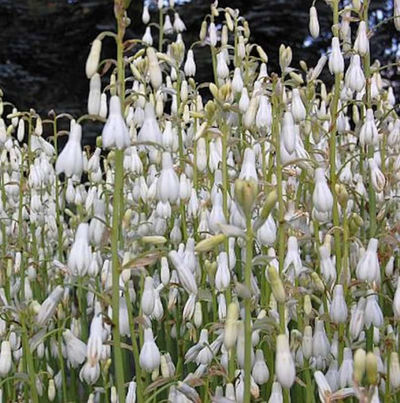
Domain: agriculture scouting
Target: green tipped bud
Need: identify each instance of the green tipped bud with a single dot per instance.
(371, 366)
(278, 290)
(342, 194)
(359, 365)
(262, 54)
(246, 192)
(269, 204)
(231, 330)
(154, 239)
(296, 77)
(210, 109)
(355, 222)
(307, 305)
(229, 21)
(210, 243)
(318, 283)
(203, 31)
(214, 90)
(246, 29)
(211, 269)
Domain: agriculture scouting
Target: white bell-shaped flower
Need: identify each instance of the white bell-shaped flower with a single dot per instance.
(368, 265)
(338, 308)
(115, 132)
(80, 254)
(284, 365)
(354, 78)
(168, 182)
(322, 196)
(150, 356)
(70, 160)
(223, 275)
(336, 61)
(361, 44)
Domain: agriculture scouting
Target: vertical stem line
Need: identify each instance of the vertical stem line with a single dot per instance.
(247, 317)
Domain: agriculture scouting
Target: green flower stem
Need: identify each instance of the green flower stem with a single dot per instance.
(117, 214)
(116, 220)
(247, 302)
(332, 150)
(281, 210)
(371, 149)
(181, 153)
(281, 205)
(27, 356)
(138, 370)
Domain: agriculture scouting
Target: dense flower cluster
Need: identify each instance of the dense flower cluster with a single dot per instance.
(231, 241)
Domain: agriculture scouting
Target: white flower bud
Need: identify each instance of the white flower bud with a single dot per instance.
(231, 330)
(346, 369)
(298, 109)
(260, 372)
(154, 68)
(212, 33)
(94, 95)
(361, 44)
(237, 81)
(145, 15)
(284, 365)
(5, 358)
(93, 59)
(148, 296)
(314, 24)
(288, 133)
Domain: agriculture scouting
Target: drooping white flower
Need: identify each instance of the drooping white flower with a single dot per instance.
(70, 160)
(336, 62)
(115, 132)
(361, 44)
(354, 78)
(80, 254)
(49, 306)
(75, 349)
(284, 365)
(149, 354)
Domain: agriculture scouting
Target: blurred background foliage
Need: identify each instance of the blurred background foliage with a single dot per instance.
(44, 43)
